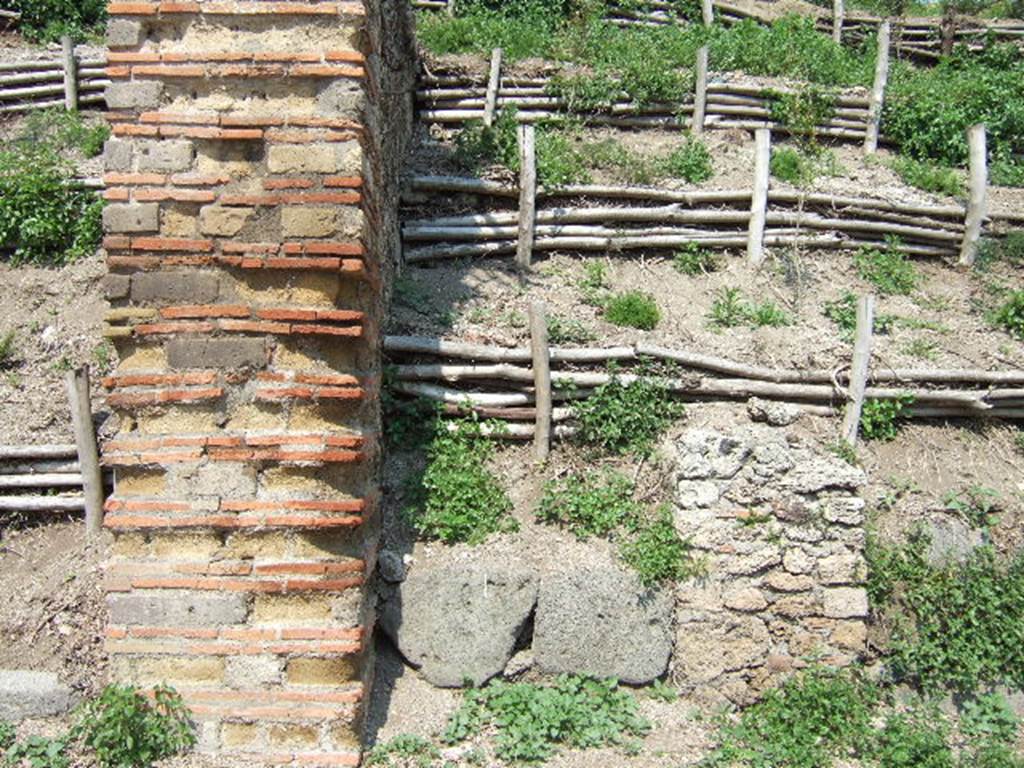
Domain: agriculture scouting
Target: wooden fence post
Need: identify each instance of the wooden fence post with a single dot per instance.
(493, 84)
(759, 197)
(77, 385)
(450, 7)
(541, 354)
(977, 204)
(70, 73)
(878, 89)
(527, 195)
(707, 10)
(700, 94)
(859, 371)
(838, 14)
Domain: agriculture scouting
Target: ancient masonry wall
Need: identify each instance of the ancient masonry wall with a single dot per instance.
(251, 224)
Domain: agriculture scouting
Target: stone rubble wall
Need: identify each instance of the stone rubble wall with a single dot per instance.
(781, 529)
(250, 229)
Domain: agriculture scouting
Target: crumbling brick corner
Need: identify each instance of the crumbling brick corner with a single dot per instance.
(251, 229)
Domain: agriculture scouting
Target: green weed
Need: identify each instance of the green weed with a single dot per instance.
(987, 719)
(8, 350)
(460, 499)
(843, 312)
(626, 418)
(38, 752)
(633, 309)
(47, 20)
(887, 269)
(568, 330)
(404, 750)
(658, 554)
(691, 162)
(730, 309)
(694, 260)
(1010, 315)
(803, 111)
(531, 721)
(881, 419)
(7, 735)
(589, 504)
(923, 349)
(63, 130)
(929, 176)
(977, 505)
(792, 166)
(659, 690)
(915, 739)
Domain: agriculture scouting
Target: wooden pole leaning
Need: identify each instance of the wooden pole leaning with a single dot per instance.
(977, 204)
(493, 84)
(707, 10)
(541, 356)
(759, 199)
(700, 94)
(77, 385)
(70, 67)
(860, 368)
(838, 15)
(878, 89)
(527, 195)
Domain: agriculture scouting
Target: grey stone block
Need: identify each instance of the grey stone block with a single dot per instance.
(601, 621)
(459, 622)
(117, 155)
(164, 156)
(135, 94)
(123, 33)
(180, 609)
(216, 353)
(252, 671)
(131, 217)
(25, 694)
(190, 287)
(116, 286)
(341, 98)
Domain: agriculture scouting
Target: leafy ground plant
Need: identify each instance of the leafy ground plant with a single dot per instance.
(887, 269)
(568, 330)
(843, 312)
(977, 505)
(882, 419)
(694, 260)
(917, 738)
(531, 721)
(592, 504)
(7, 348)
(47, 20)
(38, 752)
(404, 751)
(127, 730)
(657, 552)
(626, 417)
(633, 309)
(730, 309)
(929, 176)
(1010, 315)
(460, 498)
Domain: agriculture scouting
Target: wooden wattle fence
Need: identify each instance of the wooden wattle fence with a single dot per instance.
(71, 82)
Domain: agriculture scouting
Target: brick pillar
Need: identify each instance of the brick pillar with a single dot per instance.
(250, 228)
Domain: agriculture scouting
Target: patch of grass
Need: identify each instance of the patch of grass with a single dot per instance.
(404, 750)
(881, 419)
(1010, 315)
(730, 309)
(792, 166)
(692, 259)
(38, 752)
(559, 162)
(802, 111)
(530, 722)
(955, 625)
(125, 729)
(626, 418)
(633, 309)
(988, 719)
(923, 349)
(928, 176)
(659, 690)
(568, 330)
(814, 717)
(843, 312)
(478, 145)
(594, 504)
(977, 505)
(63, 130)
(1009, 248)
(691, 162)
(914, 739)
(657, 552)
(891, 272)
(460, 498)
(844, 451)
(45, 21)
(8, 349)
(7, 735)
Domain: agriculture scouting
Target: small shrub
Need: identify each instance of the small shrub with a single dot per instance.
(731, 309)
(405, 750)
(7, 349)
(48, 20)
(843, 312)
(626, 418)
(922, 349)
(768, 314)
(633, 309)
(988, 719)
(692, 259)
(658, 553)
(887, 269)
(691, 162)
(567, 330)
(916, 739)
(1009, 248)
(531, 721)
(461, 499)
(38, 752)
(589, 504)
(881, 419)
(977, 505)
(1010, 315)
(803, 111)
(815, 716)
(791, 166)
(478, 145)
(63, 130)
(127, 730)
(929, 176)
(7, 735)
(558, 161)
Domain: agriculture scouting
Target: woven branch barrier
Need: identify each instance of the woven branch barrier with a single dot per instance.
(589, 218)
(457, 99)
(498, 382)
(68, 82)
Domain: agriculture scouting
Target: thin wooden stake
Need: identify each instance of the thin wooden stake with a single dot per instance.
(70, 73)
(838, 13)
(707, 9)
(977, 205)
(859, 370)
(878, 89)
(700, 95)
(450, 8)
(492, 87)
(541, 354)
(759, 201)
(527, 195)
(77, 384)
